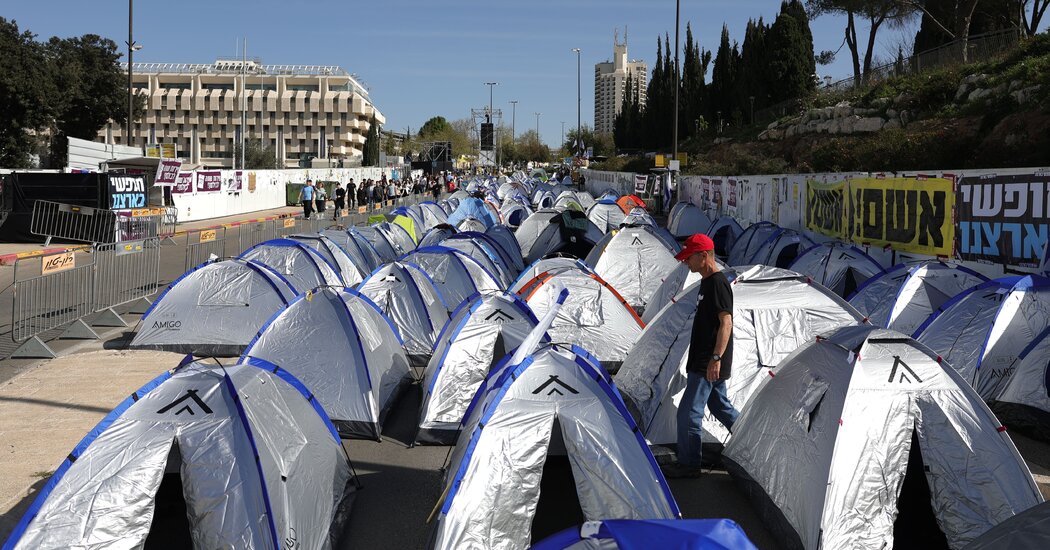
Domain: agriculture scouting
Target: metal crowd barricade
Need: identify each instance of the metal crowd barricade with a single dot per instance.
(77, 223)
(57, 293)
(169, 222)
(252, 233)
(202, 245)
(284, 227)
(126, 272)
(139, 224)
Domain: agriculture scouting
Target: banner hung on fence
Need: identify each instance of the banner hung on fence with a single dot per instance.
(639, 184)
(167, 172)
(183, 183)
(908, 214)
(127, 192)
(209, 181)
(1003, 219)
(236, 182)
(825, 208)
(731, 196)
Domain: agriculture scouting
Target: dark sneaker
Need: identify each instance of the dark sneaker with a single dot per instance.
(676, 470)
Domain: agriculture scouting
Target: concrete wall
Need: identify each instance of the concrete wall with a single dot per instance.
(1011, 213)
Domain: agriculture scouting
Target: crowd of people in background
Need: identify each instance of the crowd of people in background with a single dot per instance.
(314, 196)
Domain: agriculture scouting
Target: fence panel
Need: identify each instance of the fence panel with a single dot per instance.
(76, 223)
(169, 222)
(253, 233)
(126, 271)
(201, 245)
(47, 300)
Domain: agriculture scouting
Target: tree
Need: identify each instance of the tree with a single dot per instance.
(94, 92)
(530, 148)
(724, 88)
(754, 64)
(257, 156)
(601, 143)
(945, 21)
(1030, 24)
(791, 64)
(370, 154)
(26, 90)
(436, 126)
(877, 12)
(694, 87)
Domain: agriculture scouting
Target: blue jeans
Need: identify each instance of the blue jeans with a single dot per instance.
(698, 392)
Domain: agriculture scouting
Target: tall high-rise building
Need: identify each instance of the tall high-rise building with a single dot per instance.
(300, 111)
(610, 84)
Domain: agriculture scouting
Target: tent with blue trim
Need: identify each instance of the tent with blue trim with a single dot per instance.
(606, 215)
(345, 350)
(303, 266)
(643, 534)
(214, 309)
(679, 279)
(981, 331)
(905, 295)
(780, 249)
(634, 260)
(351, 270)
(385, 242)
(554, 264)
(839, 266)
(865, 439)
(1024, 401)
(409, 298)
(472, 208)
(550, 231)
(429, 215)
(357, 246)
(724, 232)
(555, 402)
(480, 332)
(486, 251)
(436, 234)
(687, 219)
(502, 235)
(457, 275)
(750, 240)
(514, 212)
(201, 457)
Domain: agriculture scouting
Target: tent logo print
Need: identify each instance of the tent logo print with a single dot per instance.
(499, 316)
(903, 377)
(191, 395)
(554, 389)
(636, 241)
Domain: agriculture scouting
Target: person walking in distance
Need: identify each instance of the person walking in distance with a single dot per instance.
(351, 193)
(306, 197)
(319, 197)
(710, 361)
(340, 201)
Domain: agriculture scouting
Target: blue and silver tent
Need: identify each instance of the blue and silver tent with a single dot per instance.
(687, 219)
(839, 266)
(214, 309)
(224, 457)
(303, 266)
(472, 208)
(638, 534)
(409, 298)
(345, 350)
(456, 275)
(480, 332)
(555, 400)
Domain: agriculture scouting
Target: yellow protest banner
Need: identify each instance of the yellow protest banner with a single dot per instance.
(825, 208)
(58, 262)
(207, 236)
(909, 214)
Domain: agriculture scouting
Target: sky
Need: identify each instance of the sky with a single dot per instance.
(425, 58)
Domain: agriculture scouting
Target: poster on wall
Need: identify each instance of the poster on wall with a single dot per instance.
(909, 214)
(183, 183)
(209, 181)
(731, 196)
(639, 183)
(127, 191)
(705, 193)
(716, 195)
(825, 208)
(167, 171)
(1003, 219)
(234, 185)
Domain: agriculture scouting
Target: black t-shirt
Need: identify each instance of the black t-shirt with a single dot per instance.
(716, 296)
(340, 193)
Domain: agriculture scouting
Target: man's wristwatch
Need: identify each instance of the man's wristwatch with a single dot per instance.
(716, 357)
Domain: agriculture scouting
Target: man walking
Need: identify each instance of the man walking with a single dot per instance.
(319, 197)
(306, 197)
(340, 201)
(710, 361)
(351, 193)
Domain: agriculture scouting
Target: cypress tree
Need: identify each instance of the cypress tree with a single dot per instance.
(723, 80)
(370, 151)
(790, 45)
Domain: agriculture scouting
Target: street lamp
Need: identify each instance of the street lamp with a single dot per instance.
(538, 126)
(579, 140)
(677, 6)
(563, 133)
(132, 48)
(490, 85)
(513, 116)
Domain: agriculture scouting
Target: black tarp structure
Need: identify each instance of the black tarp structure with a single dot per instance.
(22, 189)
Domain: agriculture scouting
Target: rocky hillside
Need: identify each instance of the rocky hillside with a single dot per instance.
(987, 115)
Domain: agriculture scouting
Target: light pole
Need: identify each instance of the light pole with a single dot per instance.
(563, 133)
(490, 85)
(677, 6)
(538, 126)
(513, 116)
(132, 47)
(579, 140)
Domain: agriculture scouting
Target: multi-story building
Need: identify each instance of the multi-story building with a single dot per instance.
(610, 84)
(301, 111)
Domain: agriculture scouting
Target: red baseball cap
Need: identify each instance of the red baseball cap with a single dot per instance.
(694, 244)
